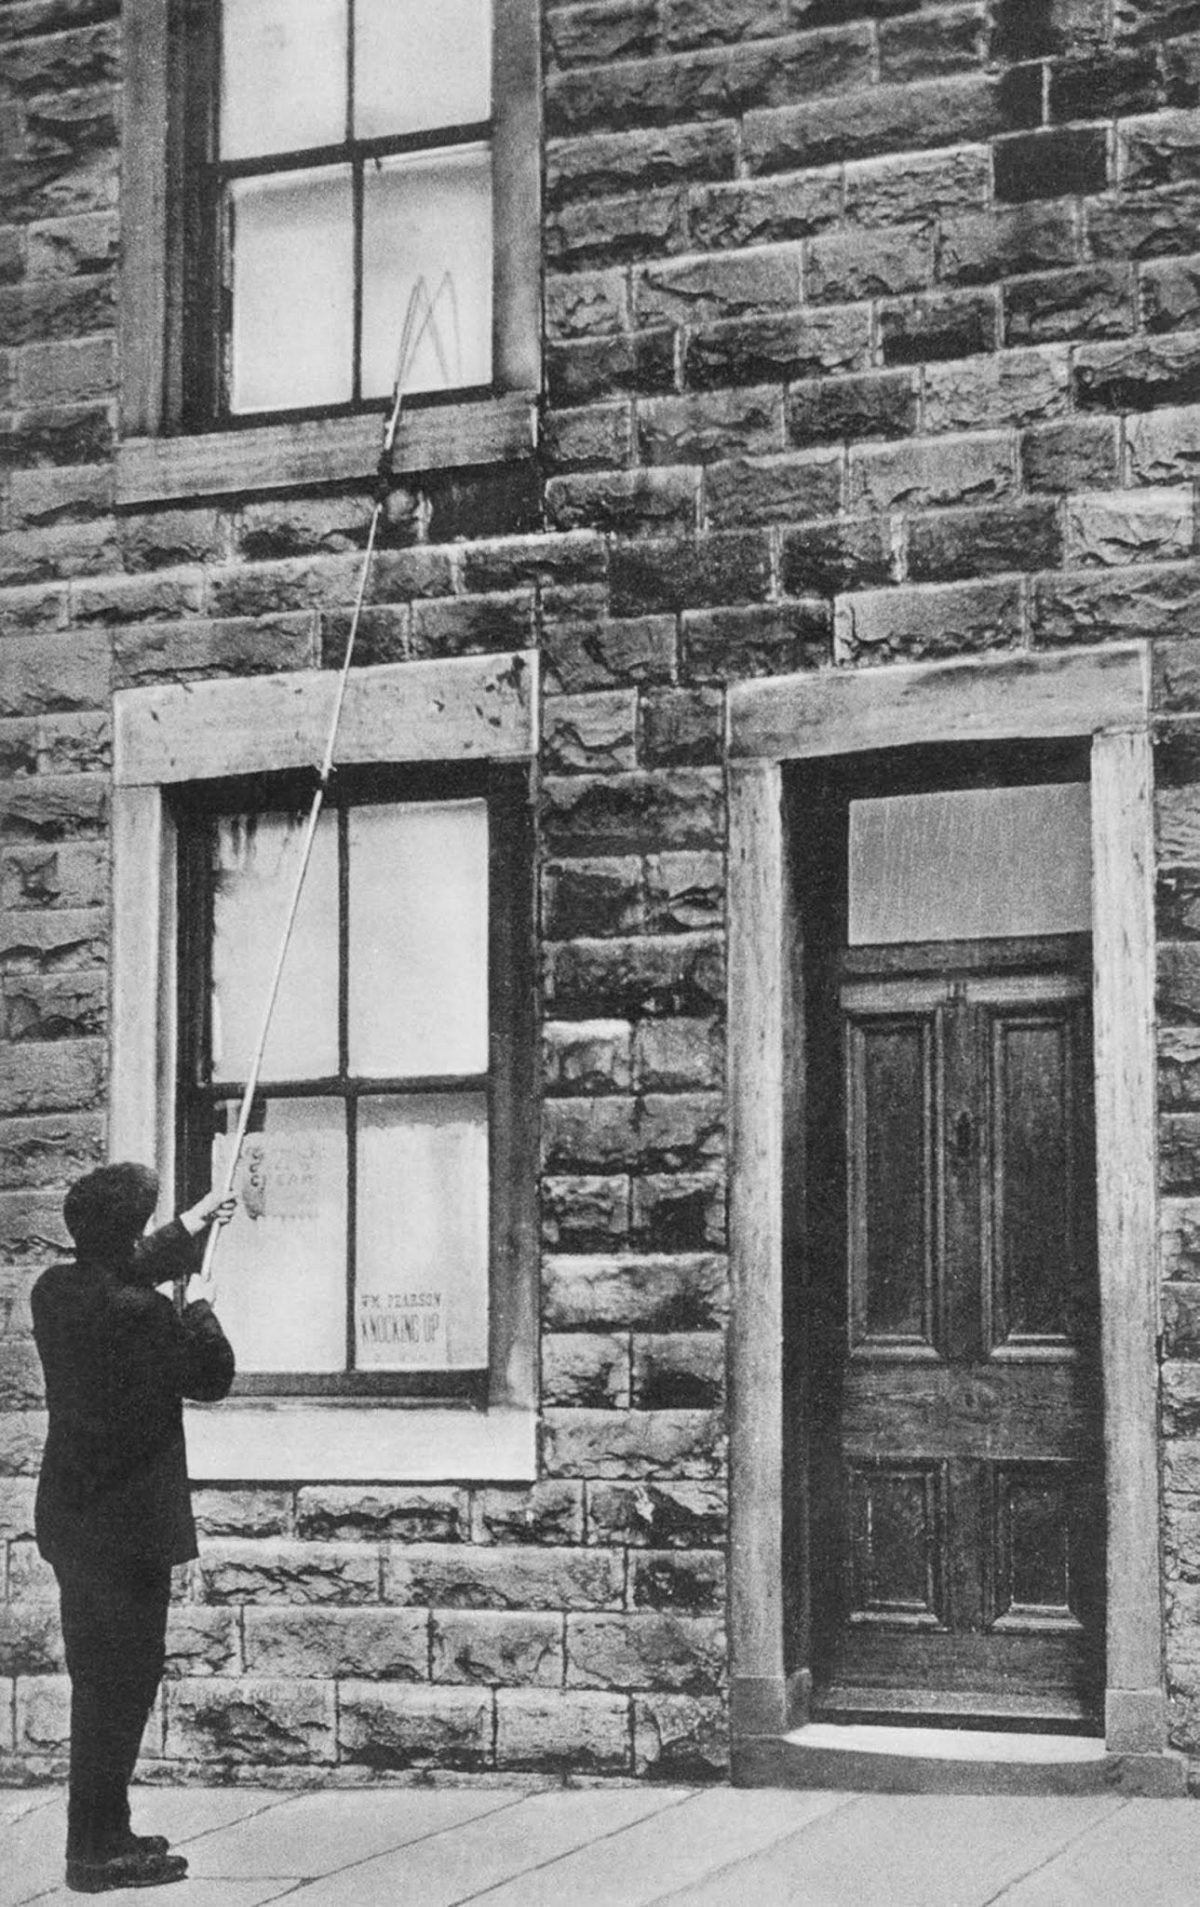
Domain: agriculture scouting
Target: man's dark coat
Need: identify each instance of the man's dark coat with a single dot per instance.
(118, 1361)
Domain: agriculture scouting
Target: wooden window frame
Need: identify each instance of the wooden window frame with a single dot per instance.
(468, 709)
(502, 788)
(162, 455)
(1103, 696)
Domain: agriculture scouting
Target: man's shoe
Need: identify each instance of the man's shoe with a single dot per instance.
(125, 1870)
(144, 1843)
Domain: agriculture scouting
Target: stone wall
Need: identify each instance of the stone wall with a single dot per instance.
(872, 334)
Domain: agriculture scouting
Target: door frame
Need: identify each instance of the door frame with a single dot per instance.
(1101, 694)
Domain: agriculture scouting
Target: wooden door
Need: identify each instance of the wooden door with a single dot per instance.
(963, 1420)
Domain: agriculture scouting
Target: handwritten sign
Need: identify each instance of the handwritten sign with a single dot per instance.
(281, 1176)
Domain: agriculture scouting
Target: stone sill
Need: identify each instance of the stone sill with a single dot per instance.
(251, 1440)
(290, 456)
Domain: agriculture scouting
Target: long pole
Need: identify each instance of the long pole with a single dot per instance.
(410, 339)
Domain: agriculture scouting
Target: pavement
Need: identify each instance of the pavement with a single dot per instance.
(632, 1847)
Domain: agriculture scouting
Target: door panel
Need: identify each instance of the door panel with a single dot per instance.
(965, 1417)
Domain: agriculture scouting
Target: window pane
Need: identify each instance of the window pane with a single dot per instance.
(283, 76)
(293, 290)
(421, 63)
(281, 1264)
(429, 215)
(971, 864)
(418, 939)
(256, 860)
(421, 1289)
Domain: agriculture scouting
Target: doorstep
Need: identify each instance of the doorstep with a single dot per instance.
(871, 1757)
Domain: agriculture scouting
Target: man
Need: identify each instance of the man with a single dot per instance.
(113, 1511)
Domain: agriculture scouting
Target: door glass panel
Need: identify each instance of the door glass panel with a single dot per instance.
(283, 76)
(257, 860)
(421, 1290)
(293, 290)
(970, 864)
(418, 939)
(429, 215)
(421, 64)
(282, 1265)
(891, 1166)
(1034, 1190)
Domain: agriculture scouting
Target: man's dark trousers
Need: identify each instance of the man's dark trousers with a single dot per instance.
(114, 1624)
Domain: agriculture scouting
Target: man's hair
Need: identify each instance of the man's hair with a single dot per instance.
(107, 1210)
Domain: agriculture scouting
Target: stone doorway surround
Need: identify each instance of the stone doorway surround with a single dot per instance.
(1102, 694)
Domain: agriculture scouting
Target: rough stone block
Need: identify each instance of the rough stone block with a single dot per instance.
(646, 1651)
(595, 897)
(44, 673)
(1178, 1067)
(705, 429)
(584, 1056)
(593, 35)
(681, 727)
(662, 1132)
(682, 1370)
(1091, 301)
(585, 649)
(243, 1571)
(605, 231)
(202, 1641)
(529, 1513)
(405, 1513)
(780, 487)
(30, 1639)
(1179, 1163)
(1008, 387)
(62, 875)
(680, 1738)
(763, 211)
(966, 543)
(688, 1582)
(1181, 1321)
(498, 1649)
(1072, 161)
(242, 1512)
(632, 813)
(929, 621)
(684, 891)
(1151, 225)
(21, 1386)
(1178, 891)
(771, 351)
(53, 1076)
(591, 370)
(625, 502)
(1149, 373)
(43, 1715)
(390, 1726)
(725, 645)
(719, 285)
(841, 409)
(947, 325)
(389, 1644)
(590, 734)
(213, 1719)
(587, 1370)
(724, 567)
(583, 1732)
(627, 978)
(675, 1292)
(981, 248)
(917, 187)
(1081, 454)
(847, 266)
(151, 598)
(30, 1577)
(647, 1444)
(592, 437)
(1159, 150)
(22, 1441)
(1130, 526)
(17, 1496)
(609, 164)
(1165, 447)
(678, 1055)
(926, 473)
(587, 1213)
(458, 1576)
(679, 1211)
(586, 304)
(1170, 295)
(1117, 605)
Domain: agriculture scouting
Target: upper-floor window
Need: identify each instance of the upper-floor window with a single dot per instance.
(291, 170)
(348, 160)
